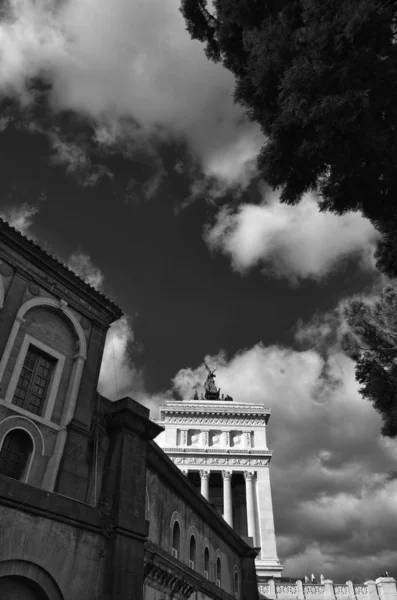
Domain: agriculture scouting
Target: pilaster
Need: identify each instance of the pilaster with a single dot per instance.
(12, 303)
(89, 381)
(122, 500)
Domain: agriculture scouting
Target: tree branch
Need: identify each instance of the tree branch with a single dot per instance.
(211, 17)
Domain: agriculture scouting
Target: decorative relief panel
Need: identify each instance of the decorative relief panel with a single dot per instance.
(313, 590)
(236, 438)
(264, 589)
(287, 590)
(194, 437)
(361, 590)
(341, 591)
(215, 438)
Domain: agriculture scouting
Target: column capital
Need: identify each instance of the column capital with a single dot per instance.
(227, 474)
(249, 475)
(204, 474)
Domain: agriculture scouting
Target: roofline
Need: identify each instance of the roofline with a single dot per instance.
(30, 246)
(177, 480)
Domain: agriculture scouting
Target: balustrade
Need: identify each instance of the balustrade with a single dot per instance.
(370, 590)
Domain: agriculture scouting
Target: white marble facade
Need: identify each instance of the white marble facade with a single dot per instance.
(221, 446)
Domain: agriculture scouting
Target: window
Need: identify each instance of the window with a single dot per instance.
(33, 381)
(218, 572)
(236, 592)
(15, 452)
(206, 563)
(176, 540)
(192, 552)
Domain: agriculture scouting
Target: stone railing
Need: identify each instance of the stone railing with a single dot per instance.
(384, 588)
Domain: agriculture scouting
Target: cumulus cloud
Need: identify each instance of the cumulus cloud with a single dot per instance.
(117, 60)
(341, 518)
(119, 377)
(20, 217)
(295, 242)
(82, 265)
(117, 374)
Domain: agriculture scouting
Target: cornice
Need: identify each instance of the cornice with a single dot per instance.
(57, 274)
(247, 420)
(215, 408)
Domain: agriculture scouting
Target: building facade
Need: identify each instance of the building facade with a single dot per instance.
(90, 507)
(220, 445)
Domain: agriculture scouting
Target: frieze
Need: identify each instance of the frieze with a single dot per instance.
(227, 461)
(212, 421)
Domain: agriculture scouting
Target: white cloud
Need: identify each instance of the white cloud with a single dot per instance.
(115, 60)
(82, 265)
(341, 518)
(290, 241)
(20, 217)
(118, 376)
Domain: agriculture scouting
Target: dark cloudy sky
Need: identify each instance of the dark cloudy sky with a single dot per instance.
(123, 154)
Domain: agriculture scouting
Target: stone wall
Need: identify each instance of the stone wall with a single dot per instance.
(171, 497)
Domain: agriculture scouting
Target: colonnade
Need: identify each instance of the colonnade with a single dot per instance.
(227, 496)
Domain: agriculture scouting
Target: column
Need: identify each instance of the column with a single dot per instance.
(249, 490)
(227, 497)
(205, 484)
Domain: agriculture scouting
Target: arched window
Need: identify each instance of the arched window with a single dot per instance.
(218, 572)
(206, 563)
(34, 381)
(192, 552)
(15, 452)
(176, 540)
(236, 584)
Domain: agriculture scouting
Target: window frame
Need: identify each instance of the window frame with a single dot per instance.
(218, 571)
(31, 377)
(178, 550)
(52, 389)
(194, 546)
(207, 550)
(236, 578)
(25, 475)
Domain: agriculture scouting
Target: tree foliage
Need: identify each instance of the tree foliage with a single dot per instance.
(372, 342)
(321, 80)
